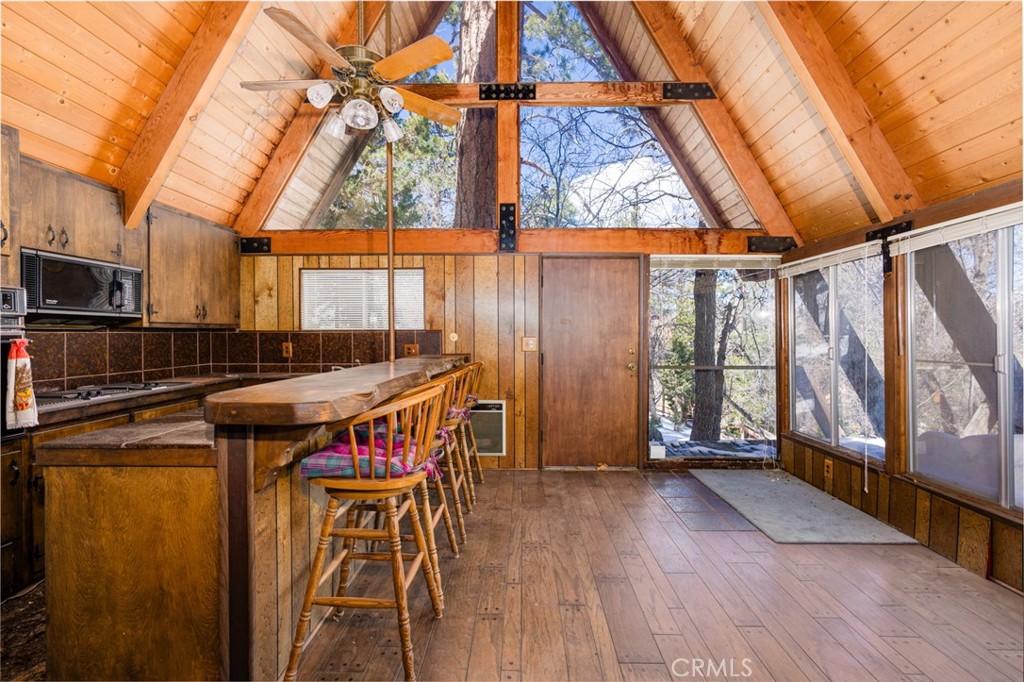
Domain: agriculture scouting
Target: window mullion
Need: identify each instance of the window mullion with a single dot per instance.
(1004, 358)
(833, 350)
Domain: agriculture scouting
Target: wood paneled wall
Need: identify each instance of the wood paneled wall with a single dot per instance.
(981, 541)
(483, 305)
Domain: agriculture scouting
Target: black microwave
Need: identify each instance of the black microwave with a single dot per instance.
(66, 288)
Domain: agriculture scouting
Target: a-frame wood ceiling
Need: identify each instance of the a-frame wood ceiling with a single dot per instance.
(830, 116)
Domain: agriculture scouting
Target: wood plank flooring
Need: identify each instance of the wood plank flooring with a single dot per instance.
(597, 576)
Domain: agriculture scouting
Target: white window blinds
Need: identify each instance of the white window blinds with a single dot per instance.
(358, 299)
(953, 230)
(865, 250)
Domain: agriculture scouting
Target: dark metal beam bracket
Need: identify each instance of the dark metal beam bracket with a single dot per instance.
(248, 245)
(507, 227)
(508, 91)
(884, 234)
(676, 90)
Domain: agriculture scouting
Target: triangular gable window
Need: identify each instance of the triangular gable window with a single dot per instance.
(557, 45)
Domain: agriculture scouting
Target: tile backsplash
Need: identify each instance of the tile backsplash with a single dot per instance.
(64, 360)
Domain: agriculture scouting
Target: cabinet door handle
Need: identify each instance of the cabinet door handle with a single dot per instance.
(15, 474)
(199, 312)
(51, 235)
(204, 312)
(64, 238)
(6, 234)
(117, 251)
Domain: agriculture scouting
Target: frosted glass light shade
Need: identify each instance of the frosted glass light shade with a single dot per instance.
(360, 114)
(391, 100)
(392, 131)
(335, 125)
(320, 95)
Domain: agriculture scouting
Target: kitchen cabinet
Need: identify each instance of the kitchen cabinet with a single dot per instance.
(66, 213)
(193, 271)
(15, 518)
(9, 172)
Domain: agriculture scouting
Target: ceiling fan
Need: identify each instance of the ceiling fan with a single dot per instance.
(362, 82)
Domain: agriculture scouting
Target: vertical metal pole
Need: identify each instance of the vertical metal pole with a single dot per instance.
(391, 211)
(391, 256)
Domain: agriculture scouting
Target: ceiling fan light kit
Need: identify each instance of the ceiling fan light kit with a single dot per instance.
(362, 79)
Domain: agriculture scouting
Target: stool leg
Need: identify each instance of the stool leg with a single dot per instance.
(348, 546)
(398, 576)
(474, 453)
(433, 586)
(448, 526)
(460, 462)
(314, 578)
(428, 519)
(454, 486)
(467, 458)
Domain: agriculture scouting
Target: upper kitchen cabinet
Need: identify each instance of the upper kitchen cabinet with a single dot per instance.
(66, 213)
(193, 271)
(9, 169)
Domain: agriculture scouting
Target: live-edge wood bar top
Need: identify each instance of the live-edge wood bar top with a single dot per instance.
(327, 397)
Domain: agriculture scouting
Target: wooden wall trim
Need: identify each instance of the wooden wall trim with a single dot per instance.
(1001, 195)
(288, 153)
(879, 173)
(659, 20)
(172, 121)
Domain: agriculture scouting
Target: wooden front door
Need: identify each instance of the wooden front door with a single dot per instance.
(590, 340)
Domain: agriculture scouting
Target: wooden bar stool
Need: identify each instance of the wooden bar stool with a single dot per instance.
(375, 463)
(454, 459)
(468, 437)
(440, 512)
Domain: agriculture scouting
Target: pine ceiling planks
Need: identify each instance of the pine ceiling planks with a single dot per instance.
(80, 85)
(943, 81)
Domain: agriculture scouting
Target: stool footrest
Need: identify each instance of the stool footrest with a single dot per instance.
(360, 533)
(382, 556)
(414, 568)
(355, 602)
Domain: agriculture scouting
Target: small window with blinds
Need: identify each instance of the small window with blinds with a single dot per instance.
(358, 299)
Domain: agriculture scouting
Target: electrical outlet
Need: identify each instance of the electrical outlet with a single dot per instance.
(410, 349)
(828, 469)
(286, 349)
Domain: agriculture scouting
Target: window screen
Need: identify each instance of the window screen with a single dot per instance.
(358, 299)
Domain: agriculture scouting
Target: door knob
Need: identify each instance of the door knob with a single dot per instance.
(631, 367)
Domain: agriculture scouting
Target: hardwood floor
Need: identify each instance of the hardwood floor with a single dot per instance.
(587, 575)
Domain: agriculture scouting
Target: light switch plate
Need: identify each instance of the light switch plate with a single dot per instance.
(530, 343)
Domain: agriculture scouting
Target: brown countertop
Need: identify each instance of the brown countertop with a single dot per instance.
(180, 439)
(327, 397)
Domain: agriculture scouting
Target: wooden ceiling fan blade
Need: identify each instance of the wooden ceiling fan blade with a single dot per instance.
(420, 55)
(281, 85)
(305, 35)
(435, 111)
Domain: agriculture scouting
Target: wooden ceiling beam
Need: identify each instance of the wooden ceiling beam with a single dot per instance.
(169, 126)
(653, 118)
(593, 94)
(881, 176)
(297, 138)
(480, 241)
(659, 20)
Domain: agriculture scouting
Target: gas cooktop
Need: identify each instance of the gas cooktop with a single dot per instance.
(93, 392)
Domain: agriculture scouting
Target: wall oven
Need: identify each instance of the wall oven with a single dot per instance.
(63, 288)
